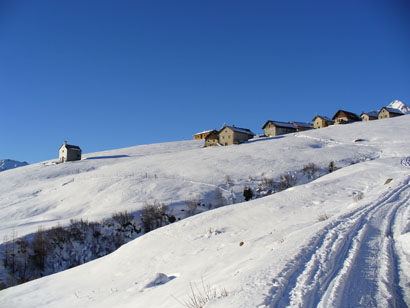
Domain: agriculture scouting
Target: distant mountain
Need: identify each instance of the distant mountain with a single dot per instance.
(400, 106)
(6, 164)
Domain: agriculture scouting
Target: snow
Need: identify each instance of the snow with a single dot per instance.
(6, 164)
(399, 105)
(312, 245)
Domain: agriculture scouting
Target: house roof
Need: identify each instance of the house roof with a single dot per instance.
(71, 147)
(302, 124)
(279, 124)
(392, 110)
(349, 115)
(238, 130)
(372, 113)
(322, 117)
(204, 132)
(212, 134)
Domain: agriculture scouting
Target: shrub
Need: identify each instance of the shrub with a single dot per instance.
(357, 196)
(331, 166)
(154, 216)
(219, 199)
(199, 297)
(228, 180)
(247, 193)
(310, 170)
(123, 218)
(192, 205)
(322, 217)
(286, 181)
(267, 184)
(40, 247)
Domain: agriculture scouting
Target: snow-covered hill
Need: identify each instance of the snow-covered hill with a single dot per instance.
(339, 241)
(6, 164)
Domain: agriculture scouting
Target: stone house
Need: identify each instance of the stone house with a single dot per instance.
(276, 128)
(202, 135)
(345, 117)
(387, 112)
(234, 135)
(322, 121)
(301, 126)
(369, 116)
(212, 139)
(69, 152)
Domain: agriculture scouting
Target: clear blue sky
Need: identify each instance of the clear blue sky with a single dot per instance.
(111, 74)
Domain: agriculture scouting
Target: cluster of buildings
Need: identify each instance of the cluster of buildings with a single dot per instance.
(228, 135)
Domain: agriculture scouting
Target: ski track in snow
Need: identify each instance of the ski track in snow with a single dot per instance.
(349, 263)
(406, 161)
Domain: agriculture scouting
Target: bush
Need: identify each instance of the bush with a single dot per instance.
(310, 170)
(40, 247)
(123, 218)
(219, 199)
(267, 184)
(247, 193)
(357, 196)
(228, 181)
(323, 217)
(192, 205)
(331, 166)
(200, 297)
(286, 181)
(154, 216)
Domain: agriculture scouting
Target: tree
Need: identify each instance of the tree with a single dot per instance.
(331, 167)
(247, 193)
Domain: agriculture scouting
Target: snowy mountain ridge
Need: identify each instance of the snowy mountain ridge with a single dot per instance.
(6, 164)
(399, 105)
(321, 243)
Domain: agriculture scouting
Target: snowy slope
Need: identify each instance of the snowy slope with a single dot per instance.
(102, 183)
(6, 164)
(291, 255)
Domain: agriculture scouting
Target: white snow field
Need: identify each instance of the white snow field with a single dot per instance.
(342, 240)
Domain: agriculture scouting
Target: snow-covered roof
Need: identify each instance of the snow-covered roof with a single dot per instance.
(323, 117)
(279, 124)
(393, 110)
(372, 113)
(239, 130)
(204, 132)
(302, 124)
(349, 115)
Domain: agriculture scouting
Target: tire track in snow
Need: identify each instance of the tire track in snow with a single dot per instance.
(406, 161)
(321, 273)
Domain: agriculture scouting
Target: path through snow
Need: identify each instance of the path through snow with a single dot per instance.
(350, 263)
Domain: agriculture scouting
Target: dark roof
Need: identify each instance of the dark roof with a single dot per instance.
(392, 110)
(323, 117)
(71, 147)
(238, 130)
(350, 115)
(302, 124)
(372, 113)
(279, 124)
(212, 134)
